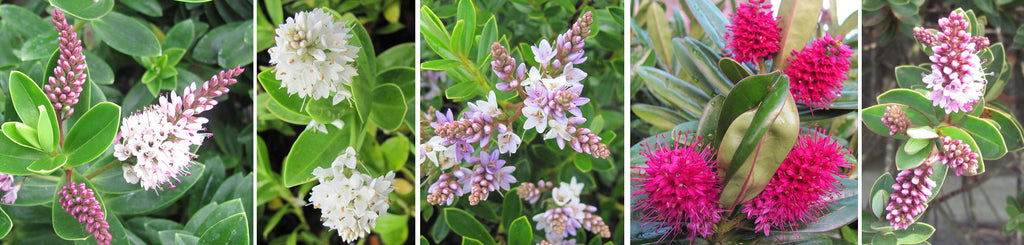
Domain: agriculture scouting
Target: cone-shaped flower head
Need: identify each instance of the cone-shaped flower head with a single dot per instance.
(754, 33)
(155, 143)
(896, 119)
(350, 204)
(313, 56)
(81, 203)
(64, 87)
(531, 192)
(681, 186)
(817, 72)
(910, 193)
(959, 156)
(803, 185)
(956, 80)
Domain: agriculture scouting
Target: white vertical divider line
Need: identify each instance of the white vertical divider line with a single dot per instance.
(416, 125)
(627, 61)
(860, 116)
(255, 147)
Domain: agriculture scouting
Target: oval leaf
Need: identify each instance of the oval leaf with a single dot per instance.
(92, 134)
(388, 108)
(465, 225)
(127, 35)
(311, 150)
(85, 9)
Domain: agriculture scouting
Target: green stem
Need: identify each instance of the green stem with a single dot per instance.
(103, 169)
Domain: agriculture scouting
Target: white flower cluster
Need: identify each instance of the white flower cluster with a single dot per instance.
(351, 204)
(159, 149)
(437, 152)
(313, 56)
(562, 221)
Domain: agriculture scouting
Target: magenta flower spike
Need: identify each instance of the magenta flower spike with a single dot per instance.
(81, 203)
(65, 85)
(956, 80)
(817, 72)
(910, 194)
(754, 33)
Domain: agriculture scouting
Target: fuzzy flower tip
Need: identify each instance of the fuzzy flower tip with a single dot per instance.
(351, 204)
(155, 143)
(803, 185)
(956, 79)
(817, 72)
(754, 33)
(65, 85)
(81, 203)
(313, 56)
(910, 194)
(959, 156)
(681, 186)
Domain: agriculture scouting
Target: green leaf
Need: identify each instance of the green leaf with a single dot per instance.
(366, 66)
(520, 232)
(397, 56)
(226, 45)
(465, 225)
(798, 19)
(1008, 127)
(706, 61)
(388, 106)
(145, 201)
(745, 96)
(922, 132)
(708, 123)
(907, 157)
(233, 229)
(311, 150)
(48, 165)
(487, 37)
(27, 98)
(885, 238)
(5, 223)
(40, 46)
(674, 90)
(916, 233)
(394, 228)
(434, 32)
(839, 213)
(17, 158)
(583, 162)
(658, 116)
(99, 70)
(23, 21)
(878, 203)
(511, 207)
(47, 130)
(467, 13)
(910, 77)
(147, 7)
(733, 69)
(959, 134)
(396, 152)
(280, 94)
(127, 35)
(755, 145)
(915, 100)
(85, 9)
(461, 91)
(92, 134)
(21, 134)
(987, 135)
(439, 64)
(661, 33)
(711, 19)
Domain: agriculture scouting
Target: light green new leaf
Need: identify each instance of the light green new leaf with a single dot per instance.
(27, 98)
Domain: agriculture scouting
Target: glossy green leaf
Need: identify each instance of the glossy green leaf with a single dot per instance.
(798, 19)
(127, 35)
(48, 164)
(280, 94)
(5, 223)
(40, 46)
(959, 134)
(145, 201)
(394, 227)
(27, 98)
(755, 145)
(839, 213)
(706, 61)
(311, 150)
(872, 117)
(986, 134)
(511, 207)
(466, 13)
(878, 203)
(467, 226)
(366, 66)
(918, 232)
(520, 232)
(674, 90)
(21, 134)
(885, 238)
(907, 158)
(461, 91)
(660, 32)
(147, 7)
(994, 70)
(910, 77)
(85, 9)
(745, 96)
(47, 130)
(439, 64)
(98, 69)
(92, 134)
(658, 116)
(1009, 127)
(488, 36)
(915, 100)
(16, 158)
(233, 229)
(688, 70)
(434, 32)
(388, 106)
(708, 123)
(711, 19)
(396, 151)
(325, 111)
(733, 69)
(23, 21)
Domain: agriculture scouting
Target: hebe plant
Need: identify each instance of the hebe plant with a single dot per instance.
(948, 115)
(744, 123)
(103, 134)
(521, 101)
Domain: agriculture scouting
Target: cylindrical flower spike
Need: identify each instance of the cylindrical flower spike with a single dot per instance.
(313, 56)
(682, 187)
(802, 186)
(156, 142)
(956, 79)
(754, 33)
(65, 85)
(80, 202)
(959, 156)
(910, 193)
(896, 119)
(444, 190)
(817, 72)
(531, 192)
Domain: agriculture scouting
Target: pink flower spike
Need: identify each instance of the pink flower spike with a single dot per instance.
(754, 33)
(69, 75)
(80, 202)
(817, 72)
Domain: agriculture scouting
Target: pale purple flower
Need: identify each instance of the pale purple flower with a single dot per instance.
(7, 185)
(81, 203)
(487, 174)
(896, 119)
(437, 152)
(959, 156)
(560, 222)
(508, 141)
(531, 192)
(535, 118)
(910, 194)
(444, 190)
(543, 53)
(956, 80)
(65, 85)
